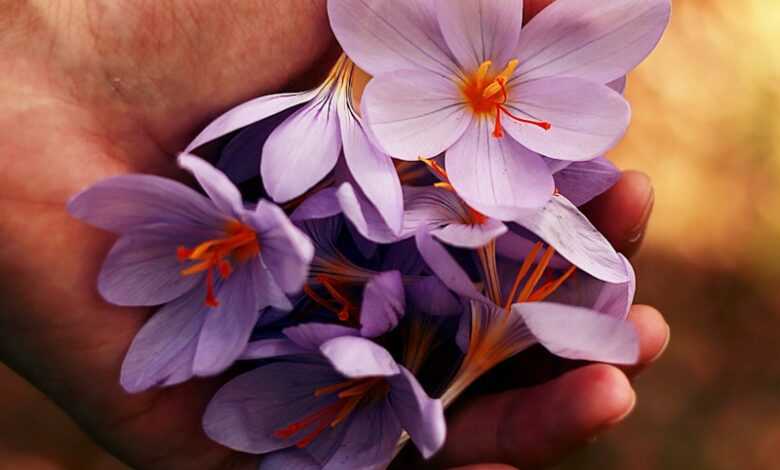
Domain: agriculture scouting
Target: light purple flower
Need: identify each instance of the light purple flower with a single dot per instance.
(457, 75)
(301, 149)
(346, 410)
(213, 262)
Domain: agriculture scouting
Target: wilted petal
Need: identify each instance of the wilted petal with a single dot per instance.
(480, 30)
(587, 118)
(358, 357)
(445, 267)
(420, 415)
(383, 304)
(597, 41)
(249, 113)
(311, 336)
(498, 177)
(219, 188)
(382, 36)
(566, 229)
(580, 333)
(302, 150)
(580, 182)
(364, 217)
(470, 235)
(163, 351)
(414, 114)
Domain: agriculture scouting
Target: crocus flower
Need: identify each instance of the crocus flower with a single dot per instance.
(211, 261)
(300, 148)
(466, 78)
(345, 407)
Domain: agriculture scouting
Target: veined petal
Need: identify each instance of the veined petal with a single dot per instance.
(372, 170)
(566, 229)
(383, 304)
(431, 207)
(163, 351)
(414, 114)
(480, 30)
(580, 333)
(445, 267)
(420, 415)
(580, 182)
(302, 150)
(249, 113)
(220, 189)
(381, 36)
(587, 118)
(470, 235)
(498, 177)
(615, 300)
(358, 358)
(363, 215)
(597, 41)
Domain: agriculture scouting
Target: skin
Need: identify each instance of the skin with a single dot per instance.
(92, 89)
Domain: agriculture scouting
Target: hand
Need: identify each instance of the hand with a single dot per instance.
(94, 89)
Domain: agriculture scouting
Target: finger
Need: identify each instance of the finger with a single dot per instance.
(654, 335)
(532, 7)
(622, 213)
(538, 426)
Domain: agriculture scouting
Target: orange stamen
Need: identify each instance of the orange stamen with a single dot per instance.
(549, 288)
(524, 268)
(341, 305)
(536, 275)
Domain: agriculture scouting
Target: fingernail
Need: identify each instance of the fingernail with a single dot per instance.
(666, 344)
(637, 234)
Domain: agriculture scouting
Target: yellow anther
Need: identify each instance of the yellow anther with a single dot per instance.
(482, 72)
(509, 69)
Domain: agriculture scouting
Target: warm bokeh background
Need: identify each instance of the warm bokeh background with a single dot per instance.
(707, 129)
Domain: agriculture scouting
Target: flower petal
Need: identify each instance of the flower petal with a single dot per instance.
(414, 114)
(228, 327)
(600, 41)
(124, 203)
(289, 459)
(580, 182)
(383, 304)
(220, 189)
(358, 358)
(249, 113)
(580, 333)
(284, 248)
(320, 205)
(445, 267)
(497, 176)
(587, 118)
(269, 348)
(431, 207)
(382, 36)
(430, 296)
(615, 299)
(163, 351)
(480, 30)
(566, 229)
(372, 170)
(311, 336)
(420, 415)
(267, 291)
(619, 85)
(364, 216)
(302, 150)
(470, 235)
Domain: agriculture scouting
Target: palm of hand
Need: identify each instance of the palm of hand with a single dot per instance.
(97, 89)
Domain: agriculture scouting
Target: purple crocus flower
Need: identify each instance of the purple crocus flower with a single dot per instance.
(345, 407)
(211, 261)
(457, 76)
(300, 150)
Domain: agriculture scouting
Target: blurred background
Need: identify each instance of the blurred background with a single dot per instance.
(707, 129)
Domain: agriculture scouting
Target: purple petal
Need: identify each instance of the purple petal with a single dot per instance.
(240, 159)
(267, 291)
(269, 348)
(480, 30)
(302, 150)
(124, 203)
(580, 182)
(497, 176)
(163, 351)
(600, 41)
(587, 118)
(445, 267)
(415, 114)
(284, 249)
(142, 269)
(619, 85)
(245, 413)
(220, 189)
(420, 415)
(228, 327)
(470, 235)
(249, 113)
(515, 247)
(372, 170)
(364, 216)
(580, 333)
(311, 336)
(431, 207)
(358, 358)
(615, 299)
(320, 205)
(566, 229)
(383, 304)
(289, 459)
(430, 296)
(382, 36)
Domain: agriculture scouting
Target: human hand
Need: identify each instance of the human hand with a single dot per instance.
(95, 89)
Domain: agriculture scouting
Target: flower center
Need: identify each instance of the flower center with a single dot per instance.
(349, 395)
(240, 244)
(339, 302)
(487, 95)
(530, 292)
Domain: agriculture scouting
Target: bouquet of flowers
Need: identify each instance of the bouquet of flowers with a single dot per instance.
(369, 248)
